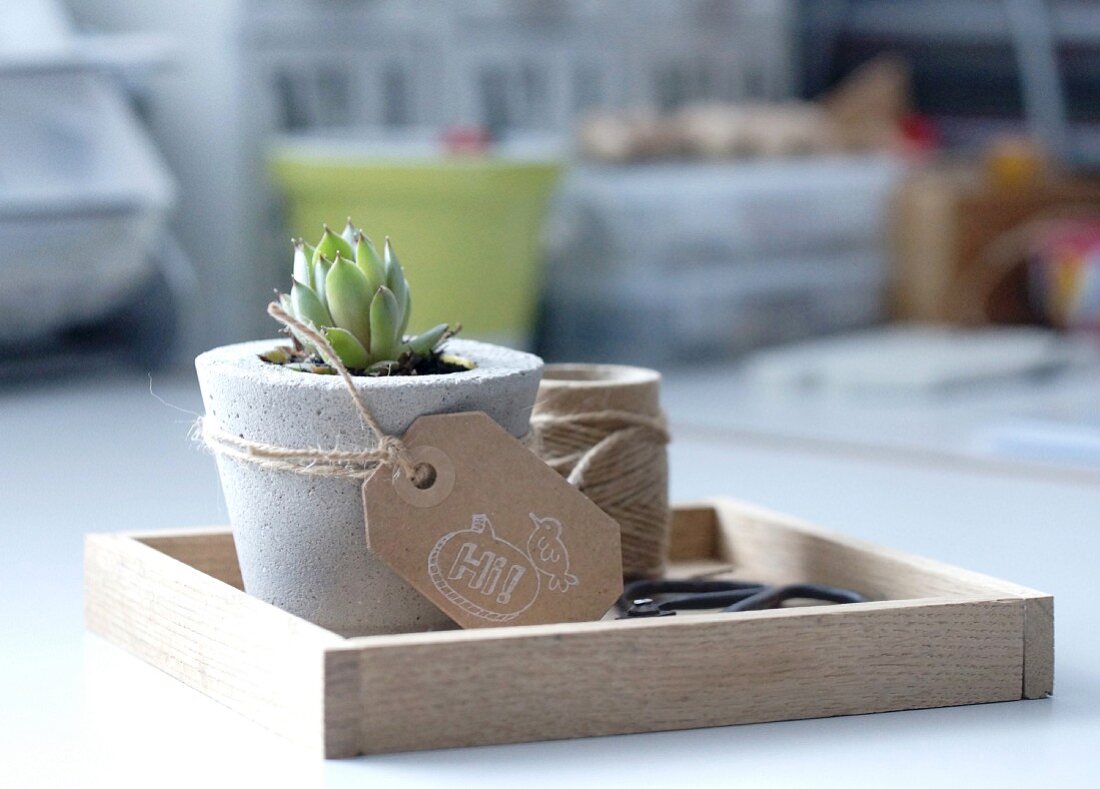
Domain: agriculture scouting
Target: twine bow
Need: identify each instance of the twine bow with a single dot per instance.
(355, 464)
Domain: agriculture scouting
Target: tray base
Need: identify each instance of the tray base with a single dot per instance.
(933, 636)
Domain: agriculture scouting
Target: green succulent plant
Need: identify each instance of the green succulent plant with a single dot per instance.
(360, 301)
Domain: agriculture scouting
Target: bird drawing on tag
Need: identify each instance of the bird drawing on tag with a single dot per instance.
(547, 552)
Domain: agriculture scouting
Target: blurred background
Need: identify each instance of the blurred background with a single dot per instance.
(860, 238)
(855, 221)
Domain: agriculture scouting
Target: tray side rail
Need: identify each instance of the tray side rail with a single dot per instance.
(564, 681)
(250, 656)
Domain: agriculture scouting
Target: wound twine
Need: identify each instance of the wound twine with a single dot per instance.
(617, 458)
(354, 464)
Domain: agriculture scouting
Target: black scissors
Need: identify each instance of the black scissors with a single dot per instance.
(664, 597)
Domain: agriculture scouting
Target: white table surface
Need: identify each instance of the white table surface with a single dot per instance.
(107, 456)
(976, 422)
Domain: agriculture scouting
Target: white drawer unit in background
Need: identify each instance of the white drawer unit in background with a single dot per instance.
(655, 264)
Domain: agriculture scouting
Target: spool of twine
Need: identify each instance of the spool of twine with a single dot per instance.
(601, 427)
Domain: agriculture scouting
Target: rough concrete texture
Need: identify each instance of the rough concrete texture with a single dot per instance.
(300, 539)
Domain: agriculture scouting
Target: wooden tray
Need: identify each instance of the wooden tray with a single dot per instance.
(936, 636)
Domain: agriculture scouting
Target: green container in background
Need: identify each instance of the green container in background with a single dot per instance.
(466, 227)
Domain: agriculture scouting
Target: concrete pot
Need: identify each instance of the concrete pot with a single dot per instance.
(300, 539)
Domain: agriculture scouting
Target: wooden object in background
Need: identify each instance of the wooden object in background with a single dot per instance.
(934, 636)
(945, 220)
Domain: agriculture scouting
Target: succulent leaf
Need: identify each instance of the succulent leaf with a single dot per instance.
(277, 356)
(406, 311)
(330, 246)
(369, 262)
(320, 275)
(457, 361)
(395, 272)
(350, 232)
(426, 341)
(306, 305)
(302, 267)
(349, 295)
(395, 280)
(288, 306)
(385, 319)
(350, 350)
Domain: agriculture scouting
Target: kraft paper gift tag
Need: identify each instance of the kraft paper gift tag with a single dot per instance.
(493, 536)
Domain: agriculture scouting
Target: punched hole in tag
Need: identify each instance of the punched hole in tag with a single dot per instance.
(432, 480)
(424, 476)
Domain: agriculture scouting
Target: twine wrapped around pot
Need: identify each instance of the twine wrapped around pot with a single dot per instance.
(389, 450)
(601, 427)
